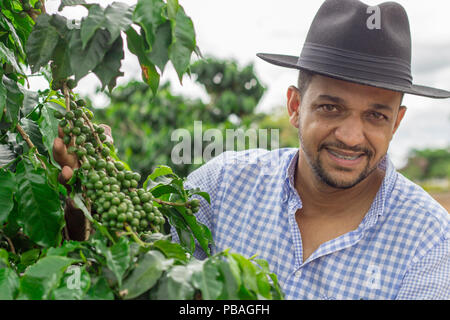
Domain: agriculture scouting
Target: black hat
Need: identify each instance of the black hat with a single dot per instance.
(352, 41)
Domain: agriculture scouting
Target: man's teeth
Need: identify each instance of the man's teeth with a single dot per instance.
(341, 156)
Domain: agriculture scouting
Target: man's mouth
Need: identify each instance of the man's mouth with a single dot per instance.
(345, 155)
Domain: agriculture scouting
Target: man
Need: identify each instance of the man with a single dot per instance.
(333, 218)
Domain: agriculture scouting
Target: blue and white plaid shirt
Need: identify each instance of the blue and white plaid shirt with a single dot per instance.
(400, 250)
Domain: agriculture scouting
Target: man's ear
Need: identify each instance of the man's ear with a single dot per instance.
(400, 114)
(293, 105)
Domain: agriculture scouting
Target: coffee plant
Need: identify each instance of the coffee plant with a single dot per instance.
(124, 249)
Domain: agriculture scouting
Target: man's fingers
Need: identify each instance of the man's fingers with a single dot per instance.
(60, 132)
(65, 175)
(62, 156)
(108, 133)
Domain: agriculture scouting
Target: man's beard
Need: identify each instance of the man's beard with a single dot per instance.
(325, 177)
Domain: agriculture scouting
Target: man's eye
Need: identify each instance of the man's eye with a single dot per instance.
(328, 107)
(377, 116)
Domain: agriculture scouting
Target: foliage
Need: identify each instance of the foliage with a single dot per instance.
(38, 260)
(143, 123)
(428, 164)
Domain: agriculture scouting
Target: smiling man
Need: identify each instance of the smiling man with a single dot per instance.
(333, 218)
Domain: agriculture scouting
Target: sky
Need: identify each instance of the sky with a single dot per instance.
(238, 29)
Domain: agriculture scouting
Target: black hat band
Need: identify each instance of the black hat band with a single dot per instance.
(365, 67)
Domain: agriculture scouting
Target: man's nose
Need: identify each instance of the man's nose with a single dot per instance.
(351, 132)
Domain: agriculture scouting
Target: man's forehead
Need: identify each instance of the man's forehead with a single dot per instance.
(341, 91)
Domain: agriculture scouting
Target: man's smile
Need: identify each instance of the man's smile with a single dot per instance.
(345, 158)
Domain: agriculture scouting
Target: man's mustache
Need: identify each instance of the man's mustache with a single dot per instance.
(342, 146)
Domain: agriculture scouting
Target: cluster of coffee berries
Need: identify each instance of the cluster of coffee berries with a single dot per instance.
(27, 7)
(110, 189)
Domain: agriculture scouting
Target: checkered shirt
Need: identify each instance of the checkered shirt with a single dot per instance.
(400, 250)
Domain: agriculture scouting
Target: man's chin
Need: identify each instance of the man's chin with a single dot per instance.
(342, 178)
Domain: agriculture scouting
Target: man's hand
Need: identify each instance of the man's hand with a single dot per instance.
(69, 162)
(75, 221)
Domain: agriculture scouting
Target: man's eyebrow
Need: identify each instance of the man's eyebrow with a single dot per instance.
(380, 106)
(331, 98)
(338, 100)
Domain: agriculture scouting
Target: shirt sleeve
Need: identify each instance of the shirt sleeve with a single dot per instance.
(429, 278)
(207, 178)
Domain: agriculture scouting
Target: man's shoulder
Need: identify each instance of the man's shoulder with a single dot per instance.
(412, 201)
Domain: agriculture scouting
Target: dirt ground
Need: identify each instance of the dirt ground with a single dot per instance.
(443, 199)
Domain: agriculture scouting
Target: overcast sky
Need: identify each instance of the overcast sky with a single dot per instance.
(239, 29)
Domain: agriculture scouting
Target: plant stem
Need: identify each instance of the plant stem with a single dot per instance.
(135, 237)
(180, 204)
(30, 144)
(11, 246)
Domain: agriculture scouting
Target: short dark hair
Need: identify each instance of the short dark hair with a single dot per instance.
(305, 77)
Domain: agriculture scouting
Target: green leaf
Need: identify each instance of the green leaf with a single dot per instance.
(136, 45)
(29, 257)
(4, 258)
(248, 270)
(6, 155)
(7, 190)
(8, 56)
(207, 280)
(67, 247)
(171, 250)
(6, 25)
(39, 210)
(99, 290)
(117, 257)
(160, 51)
(65, 3)
(32, 129)
(83, 61)
(183, 42)
(172, 8)
(14, 99)
(61, 68)
(44, 276)
(148, 271)
(30, 102)
(151, 77)
(203, 194)
(94, 21)
(3, 94)
(231, 281)
(48, 126)
(9, 284)
(41, 43)
(200, 231)
(74, 284)
(109, 69)
(148, 14)
(163, 189)
(159, 171)
(176, 283)
(118, 17)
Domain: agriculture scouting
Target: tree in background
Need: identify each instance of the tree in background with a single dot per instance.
(428, 164)
(142, 123)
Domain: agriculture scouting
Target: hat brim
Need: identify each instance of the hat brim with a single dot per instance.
(419, 90)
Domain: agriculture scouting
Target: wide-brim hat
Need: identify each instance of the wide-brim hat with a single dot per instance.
(369, 45)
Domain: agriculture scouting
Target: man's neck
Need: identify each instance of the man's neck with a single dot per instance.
(320, 199)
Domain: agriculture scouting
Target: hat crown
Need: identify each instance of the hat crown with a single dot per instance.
(348, 25)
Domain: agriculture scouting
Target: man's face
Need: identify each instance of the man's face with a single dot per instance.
(344, 128)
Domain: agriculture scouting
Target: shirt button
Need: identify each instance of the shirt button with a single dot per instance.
(298, 274)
